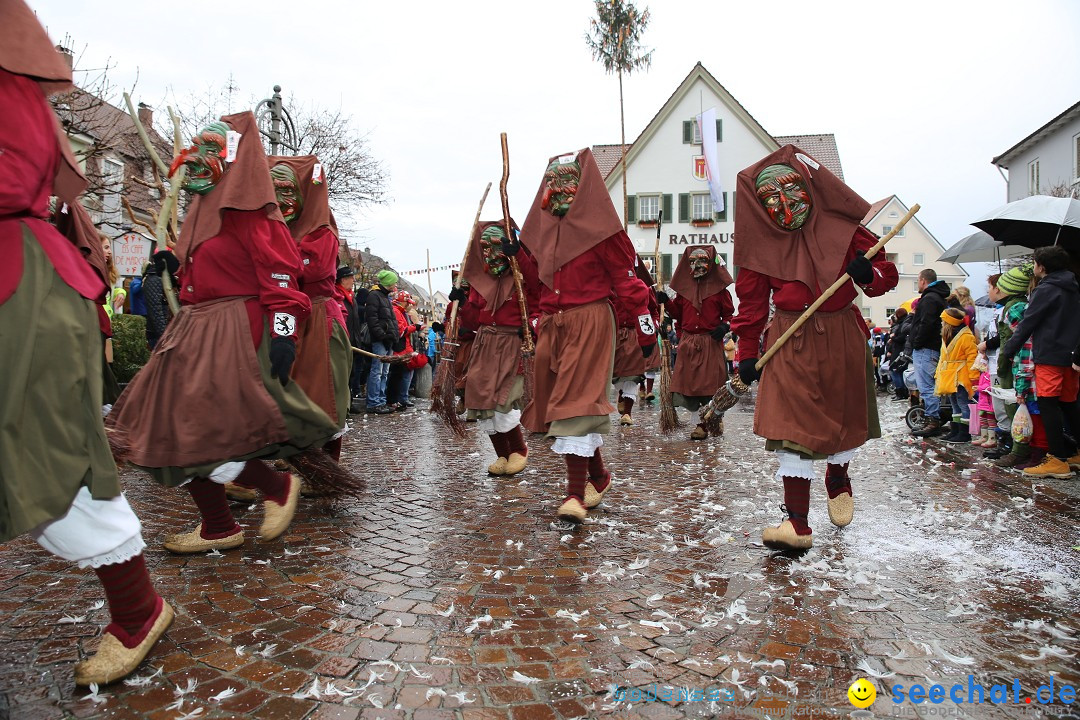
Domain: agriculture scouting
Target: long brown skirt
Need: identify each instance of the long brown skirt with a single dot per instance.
(813, 391)
(652, 363)
(700, 369)
(320, 358)
(494, 367)
(574, 355)
(206, 397)
(629, 362)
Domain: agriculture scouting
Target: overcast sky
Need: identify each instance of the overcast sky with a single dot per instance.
(920, 95)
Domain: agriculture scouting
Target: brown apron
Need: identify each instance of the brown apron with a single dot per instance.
(629, 362)
(462, 356)
(700, 366)
(813, 391)
(652, 363)
(494, 365)
(573, 366)
(312, 369)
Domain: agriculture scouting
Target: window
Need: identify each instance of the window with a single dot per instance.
(648, 208)
(645, 208)
(691, 133)
(112, 176)
(702, 206)
(893, 213)
(1033, 177)
(890, 311)
(915, 286)
(920, 259)
(665, 266)
(886, 229)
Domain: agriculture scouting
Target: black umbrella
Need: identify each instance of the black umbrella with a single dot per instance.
(1035, 221)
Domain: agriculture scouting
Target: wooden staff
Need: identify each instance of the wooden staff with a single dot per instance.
(452, 329)
(729, 394)
(526, 335)
(669, 417)
(383, 358)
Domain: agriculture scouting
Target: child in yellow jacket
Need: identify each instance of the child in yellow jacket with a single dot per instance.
(955, 379)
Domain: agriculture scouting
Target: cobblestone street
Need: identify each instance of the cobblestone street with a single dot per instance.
(444, 593)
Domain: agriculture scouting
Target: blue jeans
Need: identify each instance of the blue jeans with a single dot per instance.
(898, 380)
(376, 384)
(960, 404)
(401, 392)
(925, 361)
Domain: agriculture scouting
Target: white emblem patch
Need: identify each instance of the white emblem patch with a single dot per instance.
(284, 324)
(646, 324)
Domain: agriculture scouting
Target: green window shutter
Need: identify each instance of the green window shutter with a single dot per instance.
(687, 131)
(665, 268)
(684, 207)
(631, 209)
(719, 130)
(667, 208)
(722, 215)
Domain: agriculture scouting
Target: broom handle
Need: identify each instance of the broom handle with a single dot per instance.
(840, 282)
(526, 336)
(452, 330)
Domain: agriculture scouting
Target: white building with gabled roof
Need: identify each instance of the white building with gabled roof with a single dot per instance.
(913, 250)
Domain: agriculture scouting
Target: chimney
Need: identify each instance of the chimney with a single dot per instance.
(146, 115)
(69, 58)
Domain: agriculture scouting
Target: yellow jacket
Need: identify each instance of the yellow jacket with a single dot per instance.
(954, 367)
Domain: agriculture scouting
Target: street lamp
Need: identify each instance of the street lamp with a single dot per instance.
(276, 124)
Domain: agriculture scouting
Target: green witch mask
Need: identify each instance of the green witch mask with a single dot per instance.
(287, 192)
(782, 191)
(561, 185)
(491, 247)
(204, 159)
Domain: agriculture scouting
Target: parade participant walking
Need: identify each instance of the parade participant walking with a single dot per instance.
(57, 479)
(468, 319)
(797, 232)
(703, 309)
(630, 367)
(496, 381)
(222, 369)
(583, 257)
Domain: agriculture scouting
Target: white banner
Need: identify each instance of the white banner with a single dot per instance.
(707, 123)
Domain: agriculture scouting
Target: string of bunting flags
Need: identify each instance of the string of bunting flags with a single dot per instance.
(424, 271)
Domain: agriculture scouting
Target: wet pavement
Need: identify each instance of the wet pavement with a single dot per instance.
(445, 593)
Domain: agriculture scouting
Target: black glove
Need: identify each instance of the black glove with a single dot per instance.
(720, 331)
(860, 270)
(646, 350)
(747, 371)
(282, 356)
(459, 295)
(662, 297)
(510, 247)
(464, 334)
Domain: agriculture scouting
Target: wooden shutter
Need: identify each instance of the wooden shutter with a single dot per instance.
(719, 130)
(684, 207)
(687, 131)
(665, 267)
(722, 215)
(631, 209)
(667, 208)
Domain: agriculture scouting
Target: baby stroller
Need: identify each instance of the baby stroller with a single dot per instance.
(916, 414)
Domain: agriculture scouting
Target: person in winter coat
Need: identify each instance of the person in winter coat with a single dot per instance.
(356, 324)
(954, 378)
(924, 346)
(402, 374)
(383, 330)
(157, 306)
(1051, 323)
(894, 353)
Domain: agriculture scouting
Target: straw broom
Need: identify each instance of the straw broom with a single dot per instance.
(442, 386)
(729, 394)
(526, 364)
(669, 418)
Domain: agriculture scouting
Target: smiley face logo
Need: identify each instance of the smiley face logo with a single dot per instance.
(862, 693)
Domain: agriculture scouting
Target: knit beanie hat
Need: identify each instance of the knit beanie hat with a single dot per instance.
(386, 278)
(1015, 281)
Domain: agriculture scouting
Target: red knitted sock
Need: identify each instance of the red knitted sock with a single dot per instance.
(333, 449)
(272, 484)
(597, 472)
(648, 385)
(516, 442)
(628, 405)
(501, 444)
(797, 503)
(217, 518)
(577, 470)
(837, 481)
(131, 596)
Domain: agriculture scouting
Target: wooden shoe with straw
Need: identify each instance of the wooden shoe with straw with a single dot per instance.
(276, 517)
(193, 542)
(114, 660)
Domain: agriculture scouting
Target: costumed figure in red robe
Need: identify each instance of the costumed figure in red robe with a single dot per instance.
(583, 257)
(215, 401)
(323, 350)
(468, 319)
(630, 367)
(496, 380)
(58, 482)
(797, 231)
(702, 308)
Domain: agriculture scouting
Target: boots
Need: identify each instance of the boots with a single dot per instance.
(930, 429)
(1050, 467)
(1001, 449)
(1020, 453)
(959, 434)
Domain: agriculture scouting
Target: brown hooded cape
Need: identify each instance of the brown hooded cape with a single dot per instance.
(316, 211)
(591, 219)
(26, 50)
(683, 282)
(814, 254)
(245, 185)
(494, 290)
